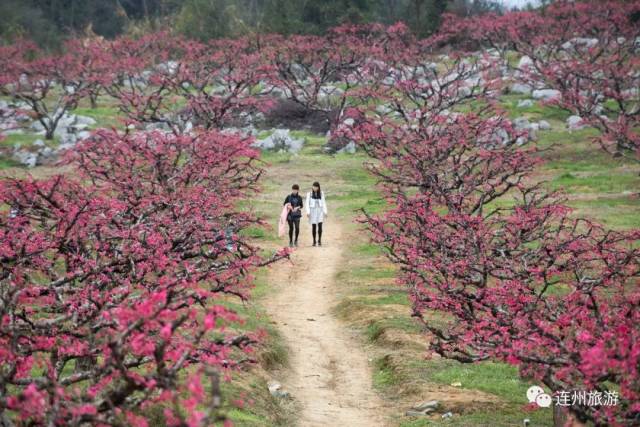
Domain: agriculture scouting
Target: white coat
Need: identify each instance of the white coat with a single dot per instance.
(316, 208)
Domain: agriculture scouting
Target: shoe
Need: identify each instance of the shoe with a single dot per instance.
(319, 243)
(290, 244)
(295, 244)
(314, 243)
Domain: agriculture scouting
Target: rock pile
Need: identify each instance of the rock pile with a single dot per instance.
(281, 141)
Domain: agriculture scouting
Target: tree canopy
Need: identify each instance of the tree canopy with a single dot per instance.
(49, 22)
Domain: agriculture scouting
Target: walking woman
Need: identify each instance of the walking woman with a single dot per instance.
(316, 211)
(294, 200)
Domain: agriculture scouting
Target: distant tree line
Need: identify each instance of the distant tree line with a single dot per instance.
(48, 22)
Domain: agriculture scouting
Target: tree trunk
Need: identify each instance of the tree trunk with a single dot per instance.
(417, 4)
(563, 418)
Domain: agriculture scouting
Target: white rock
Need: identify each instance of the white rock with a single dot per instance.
(169, 67)
(84, 135)
(580, 42)
(276, 390)
(218, 90)
(383, 109)
(525, 103)
(330, 91)
(545, 94)
(575, 123)
(525, 63)
(46, 152)
(64, 146)
(431, 404)
(77, 128)
(350, 148)
(273, 386)
(521, 88)
(474, 81)
(25, 158)
(67, 138)
(37, 126)
(84, 120)
(544, 125)
(67, 120)
(521, 123)
(464, 91)
(162, 126)
(280, 140)
(497, 136)
(388, 81)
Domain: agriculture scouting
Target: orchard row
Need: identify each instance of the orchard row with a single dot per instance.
(113, 281)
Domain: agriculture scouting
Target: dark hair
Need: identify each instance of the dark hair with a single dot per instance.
(315, 195)
(295, 187)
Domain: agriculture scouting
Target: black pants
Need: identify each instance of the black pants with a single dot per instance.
(294, 224)
(313, 232)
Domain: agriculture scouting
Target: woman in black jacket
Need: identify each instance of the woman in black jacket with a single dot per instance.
(293, 218)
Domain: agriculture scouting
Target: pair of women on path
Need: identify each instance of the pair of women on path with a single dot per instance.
(316, 209)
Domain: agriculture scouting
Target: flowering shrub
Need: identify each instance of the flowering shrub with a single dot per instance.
(588, 51)
(495, 266)
(112, 292)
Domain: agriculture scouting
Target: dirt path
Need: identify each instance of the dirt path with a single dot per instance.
(330, 374)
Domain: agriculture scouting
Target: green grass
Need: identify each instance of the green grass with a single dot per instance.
(244, 417)
(26, 140)
(384, 374)
(569, 148)
(367, 272)
(105, 116)
(272, 157)
(8, 163)
(261, 233)
(535, 113)
(597, 185)
(399, 298)
(374, 330)
(505, 417)
(499, 379)
(617, 213)
(598, 182)
(368, 249)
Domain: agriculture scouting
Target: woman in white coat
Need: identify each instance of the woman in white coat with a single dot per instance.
(316, 211)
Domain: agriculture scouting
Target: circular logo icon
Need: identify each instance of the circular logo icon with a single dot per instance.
(543, 400)
(533, 392)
